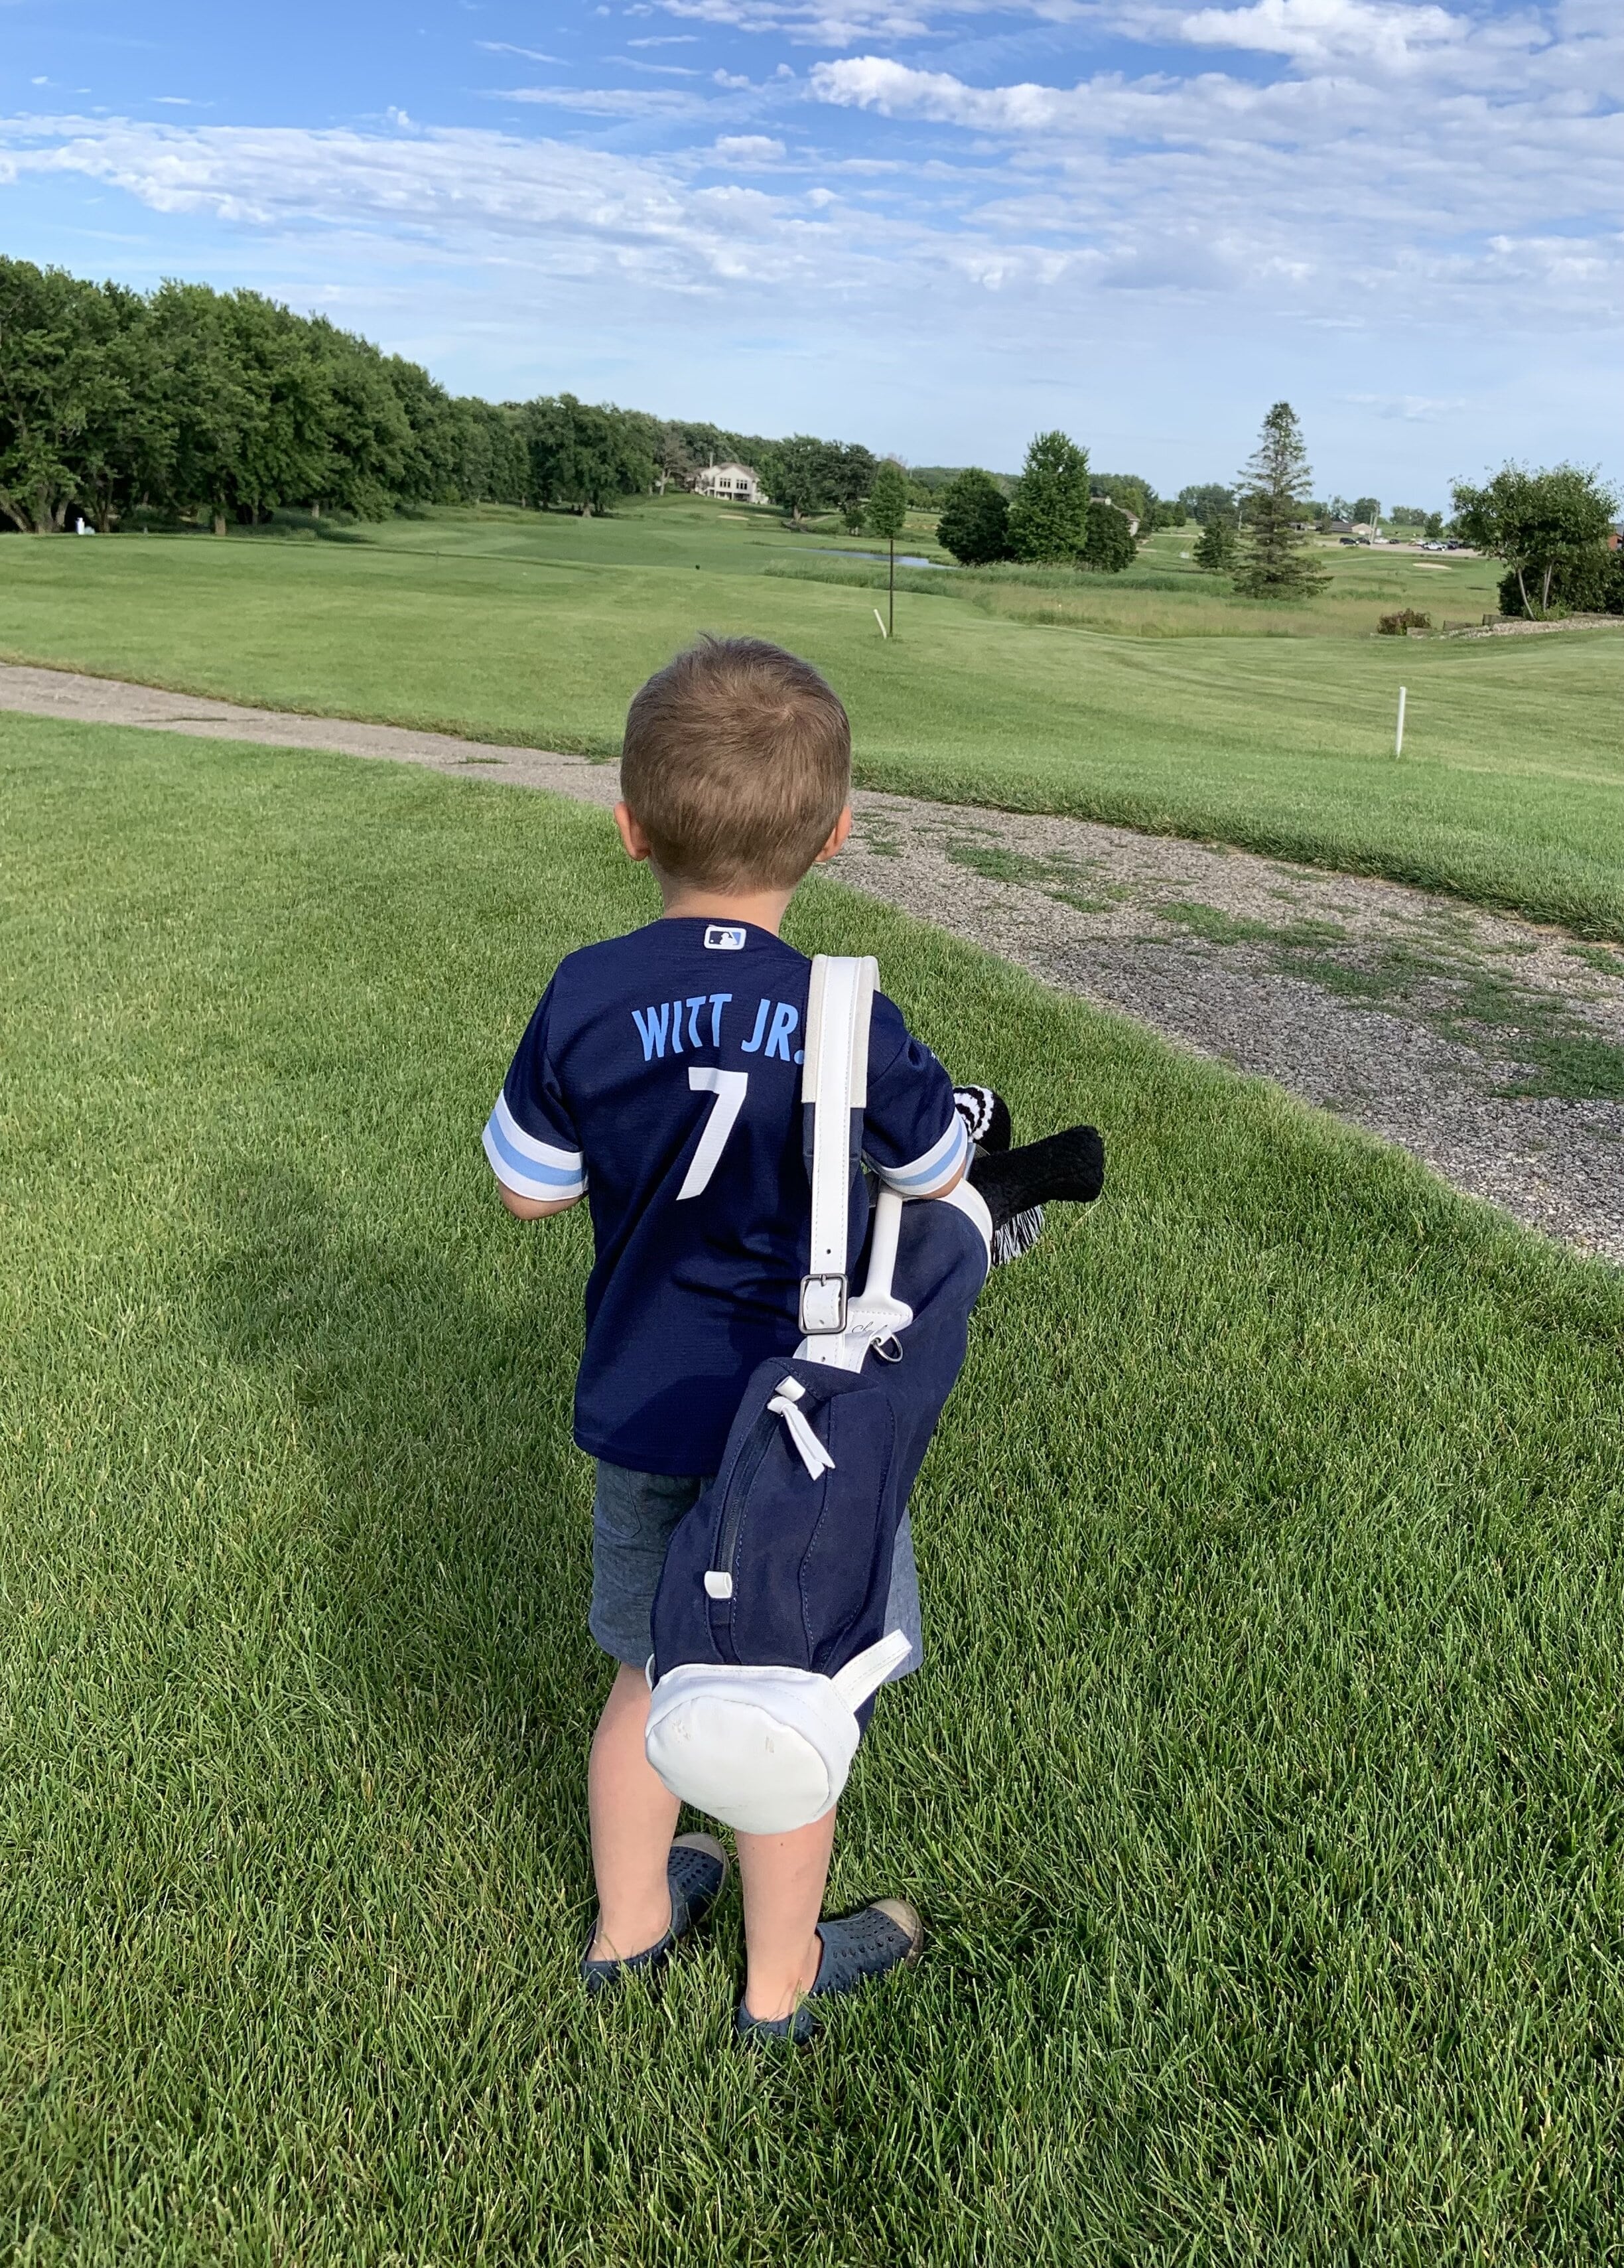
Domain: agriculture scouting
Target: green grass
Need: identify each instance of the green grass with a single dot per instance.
(1262, 1789)
(527, 628)
(1164, 594)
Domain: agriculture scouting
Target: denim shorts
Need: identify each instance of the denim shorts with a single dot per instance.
(632, 1516)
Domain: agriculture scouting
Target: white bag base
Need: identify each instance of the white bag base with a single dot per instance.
(764, 1749)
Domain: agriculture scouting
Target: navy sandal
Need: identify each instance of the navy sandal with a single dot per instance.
(697, 1871)
(887, 1935)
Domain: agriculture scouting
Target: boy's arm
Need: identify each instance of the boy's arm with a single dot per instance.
(530, 1140)
(912, 1135)
(523, 1208)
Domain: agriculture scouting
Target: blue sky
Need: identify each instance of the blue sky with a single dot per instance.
(934, 225)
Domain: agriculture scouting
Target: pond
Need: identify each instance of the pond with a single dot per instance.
(904, 558)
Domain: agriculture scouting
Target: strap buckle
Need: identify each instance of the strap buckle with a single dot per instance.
(823, 1305)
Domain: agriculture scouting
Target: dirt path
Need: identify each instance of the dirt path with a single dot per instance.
(1490, 1048)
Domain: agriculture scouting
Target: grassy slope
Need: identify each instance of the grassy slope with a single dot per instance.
(1262, 1789)
(1164, 594)
(1511, 791)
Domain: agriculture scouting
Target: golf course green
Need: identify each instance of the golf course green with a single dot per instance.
(1150, 699)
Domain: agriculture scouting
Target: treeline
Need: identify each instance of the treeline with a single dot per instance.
(1057, 515)
(187, 403)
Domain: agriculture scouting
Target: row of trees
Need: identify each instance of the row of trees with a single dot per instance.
(805, 477)
(1056, 514)
(186, 402)
(1553, 529)
(1209, 501)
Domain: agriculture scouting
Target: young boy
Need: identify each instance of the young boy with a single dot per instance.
(660, 1076)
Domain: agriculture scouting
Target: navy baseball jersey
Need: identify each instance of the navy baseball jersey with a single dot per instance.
(661, 1073)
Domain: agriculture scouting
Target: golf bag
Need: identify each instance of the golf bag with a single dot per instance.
(769, 1622)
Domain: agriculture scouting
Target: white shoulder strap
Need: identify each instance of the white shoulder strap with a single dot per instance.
(834, 1079)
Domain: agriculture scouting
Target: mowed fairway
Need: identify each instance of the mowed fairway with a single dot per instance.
(1263, 1788)
(537, 629)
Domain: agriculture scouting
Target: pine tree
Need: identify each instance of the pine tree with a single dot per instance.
(1276, 488)
(1217, 546)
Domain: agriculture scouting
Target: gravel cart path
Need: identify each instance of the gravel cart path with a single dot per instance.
(1490, 1048)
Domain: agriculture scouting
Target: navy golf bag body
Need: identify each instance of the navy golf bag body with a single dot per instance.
(769, 1623)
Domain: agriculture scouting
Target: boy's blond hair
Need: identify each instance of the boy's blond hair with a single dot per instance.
(736, 764)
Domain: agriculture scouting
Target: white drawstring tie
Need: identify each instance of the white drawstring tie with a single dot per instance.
(814, 1456)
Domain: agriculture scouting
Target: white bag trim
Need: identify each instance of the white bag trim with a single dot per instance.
(765, 1750)
(834, 1079)
(866, 1672)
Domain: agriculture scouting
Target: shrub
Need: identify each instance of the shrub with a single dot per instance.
(974, 523)
(1591, 582)
(1408, 618)
(1108, 546)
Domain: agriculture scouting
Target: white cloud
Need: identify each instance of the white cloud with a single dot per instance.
(841, 23)
(608, 102)
(748, 149)
(462, 194)
(897, 90)
(1329, 191)
(1328, 30)
(1472, 186)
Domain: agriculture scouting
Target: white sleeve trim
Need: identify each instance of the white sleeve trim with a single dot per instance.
(530, 1168)
(929, 1175)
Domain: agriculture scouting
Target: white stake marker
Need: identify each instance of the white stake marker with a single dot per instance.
(881, 619)
(1398, 745)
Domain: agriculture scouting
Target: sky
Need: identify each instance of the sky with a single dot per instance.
(935, 226)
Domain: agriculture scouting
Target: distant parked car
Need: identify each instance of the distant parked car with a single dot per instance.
(1348, 542)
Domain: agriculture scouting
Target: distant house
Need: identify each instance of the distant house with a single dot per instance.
(1338, 527)
(1097, 497)
(1615, 534)
(735, 483)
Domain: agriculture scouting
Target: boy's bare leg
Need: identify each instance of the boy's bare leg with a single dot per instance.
(783, 1877)
(634, 1816)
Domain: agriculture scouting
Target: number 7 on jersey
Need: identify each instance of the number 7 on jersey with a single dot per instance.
(729, 1088)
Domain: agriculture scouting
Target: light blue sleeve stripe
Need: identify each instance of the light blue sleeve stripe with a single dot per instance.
(924, 1176)
(524, 1175)
(525, 1144)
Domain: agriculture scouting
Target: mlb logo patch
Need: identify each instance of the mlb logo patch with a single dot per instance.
(723, 937)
